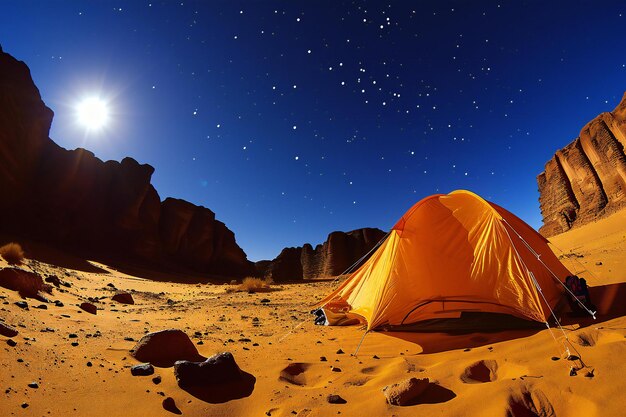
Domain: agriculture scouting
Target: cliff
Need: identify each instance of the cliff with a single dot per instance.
(586, 180)
(108, 208)
(331, 258)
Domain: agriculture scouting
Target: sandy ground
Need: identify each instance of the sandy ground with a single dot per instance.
(516, 373)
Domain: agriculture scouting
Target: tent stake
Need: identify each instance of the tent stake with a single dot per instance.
(361, 342)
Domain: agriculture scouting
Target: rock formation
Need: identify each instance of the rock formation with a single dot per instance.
(108, 208)
(586, 180)
(331, 258)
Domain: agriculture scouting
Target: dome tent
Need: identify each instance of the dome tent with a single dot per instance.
(450, 255)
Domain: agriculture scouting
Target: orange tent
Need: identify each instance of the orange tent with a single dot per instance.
(452, 254)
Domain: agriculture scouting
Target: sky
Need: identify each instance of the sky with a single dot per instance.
(293, 119)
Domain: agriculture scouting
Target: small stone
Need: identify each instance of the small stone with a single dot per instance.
(340, 352)
(74, 344)
(11, 342)
(22, 304)
(555, 358)
(323, 359)
(335, 369)
(265, 301)
(598, 263)
(24, 405)
(89, 364)
(157, 379)
(72, 336)
(42, 307)
(375, 357)
(58, 303)
(129, 339)
(335, 399)
(170, 405)
(33, 385)
(143, 369)
(590, 374)
(572, 371)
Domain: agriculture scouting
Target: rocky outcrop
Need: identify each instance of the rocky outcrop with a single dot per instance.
(331, 258)
(109, 208)
(586, 180)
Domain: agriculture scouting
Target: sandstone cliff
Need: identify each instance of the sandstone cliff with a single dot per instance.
(108, 208)
(329, 259)
(586, 179)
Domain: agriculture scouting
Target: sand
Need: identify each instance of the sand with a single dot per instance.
(516, 373)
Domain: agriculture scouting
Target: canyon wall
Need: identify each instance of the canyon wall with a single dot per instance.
(586, 179)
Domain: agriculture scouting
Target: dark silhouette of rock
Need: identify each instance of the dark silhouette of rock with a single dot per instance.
(170, 405)
(216, 380)
(110, 209)
(89, 308)
(8, 331)
(22, 304)
(123, 297)
(586, 180)
(217, 369)
(339, 252)
(143, 369)
(405, 392)
(27, 283)
(11, 342)
(165, 347)
(54, 280)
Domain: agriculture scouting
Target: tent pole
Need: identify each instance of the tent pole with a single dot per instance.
(360, 343)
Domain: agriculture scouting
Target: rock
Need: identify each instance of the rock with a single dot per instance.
(89, 308)
(27, 284)
(340, 352)
(165, 347)
(72, 198)
(89, 364)
(156, 380)
(22, 304)
(42, 307)
(123, 297)
(405, 392)
(217, 369)
(143, 369)
(331, 258)
(24, 405)
(598, 263)
(265, 301)
(294, 373)
(54, 280)
(584, 181)
(33, 385)
(58, 303)
(8, 331)
(170, 405)
(335, 399)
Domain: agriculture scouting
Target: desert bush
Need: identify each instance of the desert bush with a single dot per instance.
(12, 253)
(252, 284)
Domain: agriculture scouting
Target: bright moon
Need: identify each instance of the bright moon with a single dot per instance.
(92, 113)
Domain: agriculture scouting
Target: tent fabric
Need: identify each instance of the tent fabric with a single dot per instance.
(452, 254)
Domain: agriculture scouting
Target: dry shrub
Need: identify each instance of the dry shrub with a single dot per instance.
(252, 284)
(12, 253)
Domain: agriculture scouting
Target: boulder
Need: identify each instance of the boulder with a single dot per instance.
(89, 308)
(217, 369)
(170, 405)
(405, 392)
(8, 331)
(123, 297)
(165, 347)
(143, 369)
(27, 283)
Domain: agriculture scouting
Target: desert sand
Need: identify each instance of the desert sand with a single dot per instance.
(81, 362)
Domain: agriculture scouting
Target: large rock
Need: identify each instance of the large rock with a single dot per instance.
(8, 331)
(74, 199)
(218, 369)
(165, 347)
(586, 180)
(405, 392)
(123, 297)
(329, 259)
(28, 284)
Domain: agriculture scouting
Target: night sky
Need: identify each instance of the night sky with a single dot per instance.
(296, 118)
